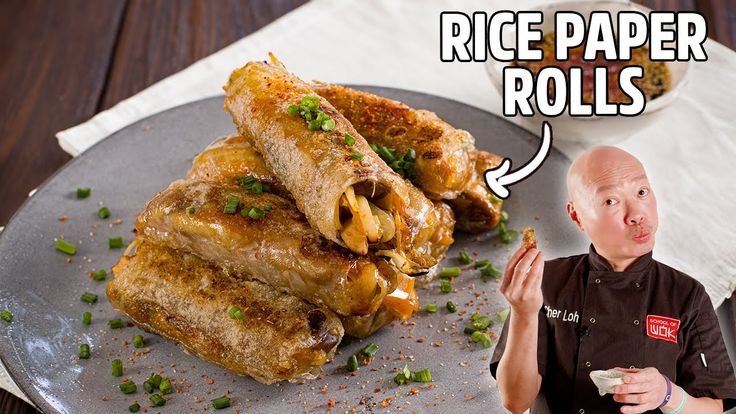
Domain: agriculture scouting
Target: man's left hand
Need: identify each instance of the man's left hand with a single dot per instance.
(644, 389)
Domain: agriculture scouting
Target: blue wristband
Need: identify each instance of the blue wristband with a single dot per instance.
(667, 395)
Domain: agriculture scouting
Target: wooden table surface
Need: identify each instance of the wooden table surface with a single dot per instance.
(65, 60)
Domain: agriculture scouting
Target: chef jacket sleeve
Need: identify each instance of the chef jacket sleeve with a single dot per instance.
(704, 368)
(541, 344)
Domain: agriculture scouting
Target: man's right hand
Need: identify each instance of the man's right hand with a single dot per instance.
(522, 282)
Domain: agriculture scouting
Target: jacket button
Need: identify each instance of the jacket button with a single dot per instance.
(581, 411)
(632, 367)
(638, 284)
(636, 322)
(599, 281)
(587, 364)
(592, 320)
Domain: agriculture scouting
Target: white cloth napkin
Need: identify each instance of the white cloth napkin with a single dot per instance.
(688, 151)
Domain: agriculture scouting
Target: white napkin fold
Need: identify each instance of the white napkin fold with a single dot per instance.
(688, 151)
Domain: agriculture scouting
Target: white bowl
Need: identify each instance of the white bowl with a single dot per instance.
(599, 129)
(606, 380)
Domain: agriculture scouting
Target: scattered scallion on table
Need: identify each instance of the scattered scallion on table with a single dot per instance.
(6, 316)
(103, 213)
(117, 368)
(165, 387)
(370, 350)
(222, 402)
(450, 272)
(99, 275)
(115, 323)
(482, 337)
(352, 365)
(128, 387)
(157, 400)
(115, 242)
(445, 286)
(87, 318)
(463, 257)
(138, 341)
(66, 247)
(83, 192)
(430, 308)
(155, 380)
(489, 271)
(88, 297)
(84, 351)
(451, 307)
(134, 408)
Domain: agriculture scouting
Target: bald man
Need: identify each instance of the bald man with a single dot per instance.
(614, 308)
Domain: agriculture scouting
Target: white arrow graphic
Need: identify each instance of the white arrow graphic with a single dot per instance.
(497, 178)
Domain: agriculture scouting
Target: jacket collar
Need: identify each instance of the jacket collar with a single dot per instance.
(599, 263)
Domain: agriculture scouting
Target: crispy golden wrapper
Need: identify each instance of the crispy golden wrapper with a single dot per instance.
(186, 299)
(448, 166)
(528, 239)
(281, 249)
(444, 154)
(318, 167)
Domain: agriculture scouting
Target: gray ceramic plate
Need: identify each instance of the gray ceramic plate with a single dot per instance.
(42, 290)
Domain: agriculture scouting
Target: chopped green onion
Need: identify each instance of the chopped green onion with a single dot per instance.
(128, 387)
(256, 213)
(504, 216)
(404, 165)
(134, 408)
(445, 286)
(450, 272)
(99, 275)
(494, 199)
(84, 351)
(165, 387)
(328, 124)
(115, 242)
(87, 318)
(148, 386)
(66, 247)
(103, 212)
(236, 313)
(138, 341)
(400, 379)
(231, 206)
(468, 330)
(490, 271)
(358, 156)
(479, 336)
(6, 316)
(191, 210)
(83, 192)
(463, 257)
(115, 323)
(267, 207)
(88, 297)
(503, 314)
(155, 380)
(222, 402)
(481, 263)
(293, 110)
(157, 400)
(451, 307)
(370, 350)
(352, 363)
(481, 323)
(421, 376)
(430, 308)
(117, 368)
(349, 139)
(506, 236)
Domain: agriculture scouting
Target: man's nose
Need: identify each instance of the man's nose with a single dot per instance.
(635, 216)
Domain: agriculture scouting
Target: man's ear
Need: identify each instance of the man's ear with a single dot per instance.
(574, 215)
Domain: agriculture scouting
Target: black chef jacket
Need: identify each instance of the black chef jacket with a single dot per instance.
(648, 316)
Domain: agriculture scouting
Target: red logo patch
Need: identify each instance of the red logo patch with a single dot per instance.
(661, 327)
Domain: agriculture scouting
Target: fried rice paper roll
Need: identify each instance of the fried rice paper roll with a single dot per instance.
(477, 209)
(343, 188)
(444, 155)
(232, 159)
(187, 300)
(277, 247)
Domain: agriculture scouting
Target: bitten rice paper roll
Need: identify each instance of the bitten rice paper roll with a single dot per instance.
(276, 246)
(274, 337)
(447, 165)
(343, 188)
